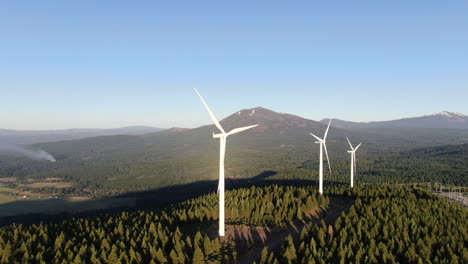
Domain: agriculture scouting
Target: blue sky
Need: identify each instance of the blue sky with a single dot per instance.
(67, 64)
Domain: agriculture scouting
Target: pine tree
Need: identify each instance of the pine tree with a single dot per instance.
(59, 240)
(113, 257)
(174, 258)
(264, 255)
(198, 256)
(197, 240)
(6, 256)
(207, 246)
(160, 256)
(77, 260)
(289, 251)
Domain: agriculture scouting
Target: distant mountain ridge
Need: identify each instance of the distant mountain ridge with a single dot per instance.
(178, 156)
(444, 119)
(19, 137)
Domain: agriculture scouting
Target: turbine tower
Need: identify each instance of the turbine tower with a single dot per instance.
(323, 144)
(353, 160)
(222, 138)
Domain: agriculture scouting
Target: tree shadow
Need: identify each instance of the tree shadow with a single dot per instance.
(264, 175)
(307, 164)
(58, 209)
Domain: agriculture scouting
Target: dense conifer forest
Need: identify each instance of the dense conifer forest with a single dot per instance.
(155, 236)
(386, 224)
(445, 164)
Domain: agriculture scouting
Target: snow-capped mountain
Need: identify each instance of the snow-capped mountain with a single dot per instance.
(449, 114)
(442, 119)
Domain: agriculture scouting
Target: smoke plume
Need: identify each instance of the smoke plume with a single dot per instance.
(35, 154)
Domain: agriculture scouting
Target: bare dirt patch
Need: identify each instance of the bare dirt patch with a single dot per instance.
(14, 192)
(142, 177)
(8, 179)
(57, 185)
(51, 179)
(77, 198)
(7, 198)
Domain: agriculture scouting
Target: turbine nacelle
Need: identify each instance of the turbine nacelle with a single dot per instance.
(232, 132)
(219, 135)
(319, 140)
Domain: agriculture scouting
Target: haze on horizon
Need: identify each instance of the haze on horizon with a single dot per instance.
(112, 64)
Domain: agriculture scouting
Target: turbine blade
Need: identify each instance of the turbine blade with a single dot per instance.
(328, 160)
(358, 146)
(215, 121)
(240, 129)
(319, 139)
(349, 143)
(326, 131)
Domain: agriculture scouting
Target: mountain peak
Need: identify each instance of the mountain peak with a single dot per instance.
(449, 114)
(256, 109)
(267, 119)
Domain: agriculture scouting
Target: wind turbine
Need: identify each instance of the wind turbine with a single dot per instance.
(323, 144)
(222, 138)
(353, 160)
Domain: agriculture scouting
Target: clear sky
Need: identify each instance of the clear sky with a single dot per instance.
(67, 64)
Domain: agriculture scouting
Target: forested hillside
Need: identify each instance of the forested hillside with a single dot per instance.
(386, 224)
(155, 236)
(110, 165)
(445, 164)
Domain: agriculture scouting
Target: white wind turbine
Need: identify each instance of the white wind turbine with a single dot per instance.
(323, 144)
(222, 137)
(353, 161)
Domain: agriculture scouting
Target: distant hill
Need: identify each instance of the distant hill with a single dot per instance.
(21, 137)
(281, 143)
(439, 120)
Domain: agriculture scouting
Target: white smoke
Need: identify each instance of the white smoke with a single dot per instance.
(35, 154)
